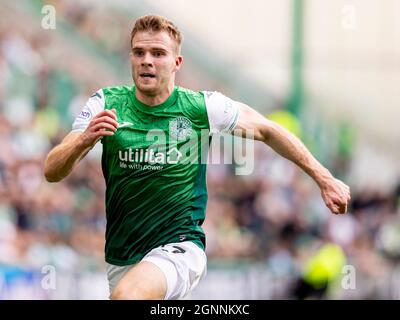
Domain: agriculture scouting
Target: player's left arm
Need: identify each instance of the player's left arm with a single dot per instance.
(335, 193)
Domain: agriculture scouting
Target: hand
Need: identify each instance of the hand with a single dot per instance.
(336, 195)
(103, 124)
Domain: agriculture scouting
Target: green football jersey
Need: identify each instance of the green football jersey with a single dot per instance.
(155, 167)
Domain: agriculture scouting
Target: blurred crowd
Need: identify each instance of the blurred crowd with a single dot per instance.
(274, 215)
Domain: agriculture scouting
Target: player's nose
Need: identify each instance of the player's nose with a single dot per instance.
(147, 60)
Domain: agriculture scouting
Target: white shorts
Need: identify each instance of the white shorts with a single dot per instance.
(184, 264)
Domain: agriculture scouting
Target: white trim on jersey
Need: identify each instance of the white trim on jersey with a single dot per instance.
(223, 112)
(93, 106)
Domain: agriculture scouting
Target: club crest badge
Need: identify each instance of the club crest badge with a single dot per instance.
(180, 128)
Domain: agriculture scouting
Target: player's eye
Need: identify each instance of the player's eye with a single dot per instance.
(158, 53)
(138, 53)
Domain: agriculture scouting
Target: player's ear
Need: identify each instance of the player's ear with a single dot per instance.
(178, 62)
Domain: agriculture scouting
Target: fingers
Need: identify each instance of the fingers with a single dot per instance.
(102, 133)
(106, 121)
(110, 113)
(333, 208)
(336, 195)
(103, 124)
(338, 206)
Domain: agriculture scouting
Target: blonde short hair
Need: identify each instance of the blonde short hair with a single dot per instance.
(157, 24)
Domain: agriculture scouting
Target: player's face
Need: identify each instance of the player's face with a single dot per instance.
(154, 61)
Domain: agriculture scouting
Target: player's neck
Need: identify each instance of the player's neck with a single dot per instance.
(156, 99)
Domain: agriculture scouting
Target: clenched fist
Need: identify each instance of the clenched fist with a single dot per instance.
(336, 195)
(103, 124)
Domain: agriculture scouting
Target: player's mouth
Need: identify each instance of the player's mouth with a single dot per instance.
(147, 75)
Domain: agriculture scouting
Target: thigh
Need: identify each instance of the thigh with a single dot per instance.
(115, 273)
(168, 272)
(183, 263)
(144, 281)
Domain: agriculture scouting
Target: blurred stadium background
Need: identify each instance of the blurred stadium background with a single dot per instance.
(327, 70)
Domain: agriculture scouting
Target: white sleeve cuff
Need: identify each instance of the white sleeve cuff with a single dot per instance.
(223, 112)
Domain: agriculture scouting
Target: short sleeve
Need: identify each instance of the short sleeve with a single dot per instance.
(223, 112)
(93, 106)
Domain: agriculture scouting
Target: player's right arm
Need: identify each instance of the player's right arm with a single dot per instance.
(64, 157)
(93, 123)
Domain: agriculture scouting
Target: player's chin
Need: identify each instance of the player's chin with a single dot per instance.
(146, 87)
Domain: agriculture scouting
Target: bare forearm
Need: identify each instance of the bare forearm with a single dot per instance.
(334, 192)
(289, 146)
(63, 158)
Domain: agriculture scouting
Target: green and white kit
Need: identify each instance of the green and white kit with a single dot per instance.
(154, 167)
